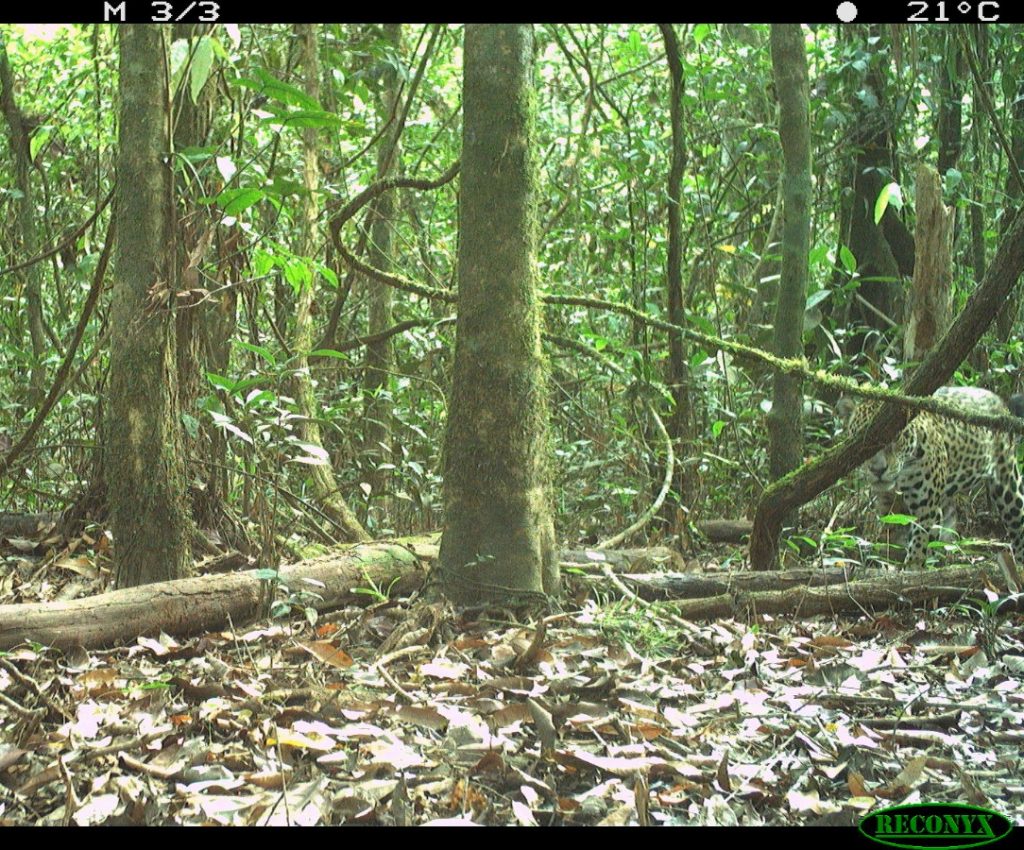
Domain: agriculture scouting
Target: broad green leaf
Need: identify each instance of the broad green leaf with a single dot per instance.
(257, 396)
(179, 56)
(890, 194)
(700, 32)
(262, 262)
(39, 138)
(328, 352)
(220, 381)
(202, 64)
(274, 89)
(306, 118)
(234, 201)
(298, 274)
(261, 350)
(847, 259)
(815, 298)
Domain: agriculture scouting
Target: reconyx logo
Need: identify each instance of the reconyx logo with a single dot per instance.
(935, 826)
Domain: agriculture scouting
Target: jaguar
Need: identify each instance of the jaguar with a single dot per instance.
(934, 458)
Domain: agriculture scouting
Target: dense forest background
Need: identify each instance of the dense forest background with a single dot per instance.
(882, 101)
(660, 215)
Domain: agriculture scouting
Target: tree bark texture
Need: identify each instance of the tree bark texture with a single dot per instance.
(379, 354)
(499, 535)
(678, 368)
(785, 422)
(144, 467)
(931, 294)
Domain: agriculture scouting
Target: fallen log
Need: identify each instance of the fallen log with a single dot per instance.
(215, 601)
(742, 595)
(726, 530)
(211, 602)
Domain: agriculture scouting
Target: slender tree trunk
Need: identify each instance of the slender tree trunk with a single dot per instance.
(679, 427)
(144, 466)
(379, 355)
(499, 536)
(324, 485)
(789, 60)
(200, 329)
(27, 226)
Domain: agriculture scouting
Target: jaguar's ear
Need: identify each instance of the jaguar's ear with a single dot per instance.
(845, 407)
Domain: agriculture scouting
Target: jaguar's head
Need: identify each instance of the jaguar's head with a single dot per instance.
(884, 466)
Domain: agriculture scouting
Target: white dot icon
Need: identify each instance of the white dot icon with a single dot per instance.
(846, 12)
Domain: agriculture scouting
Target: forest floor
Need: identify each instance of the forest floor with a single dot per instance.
(601, 714)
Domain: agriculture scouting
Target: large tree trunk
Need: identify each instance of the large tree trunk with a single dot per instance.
(499, 536)
(144, 467)
(785, 424)
(325, 486)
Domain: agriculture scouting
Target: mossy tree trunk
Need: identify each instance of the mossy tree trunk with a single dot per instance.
(325, 487)
(789, 61)
(144, 465)
(499, 536)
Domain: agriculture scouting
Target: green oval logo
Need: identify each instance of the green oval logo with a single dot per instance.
(935, 826)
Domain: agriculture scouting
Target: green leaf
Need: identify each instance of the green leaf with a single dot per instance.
(262, 262)
(274, 89)
(202, 64)
(220, 381)
(329, 352)
(261, 350)
(847, 259)
(39, 138)
(298, 274)
(815, 298)
(234, 201)
(700, 32)
(305, 118)
(890, 194)
(179, 56)
(898, 519)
